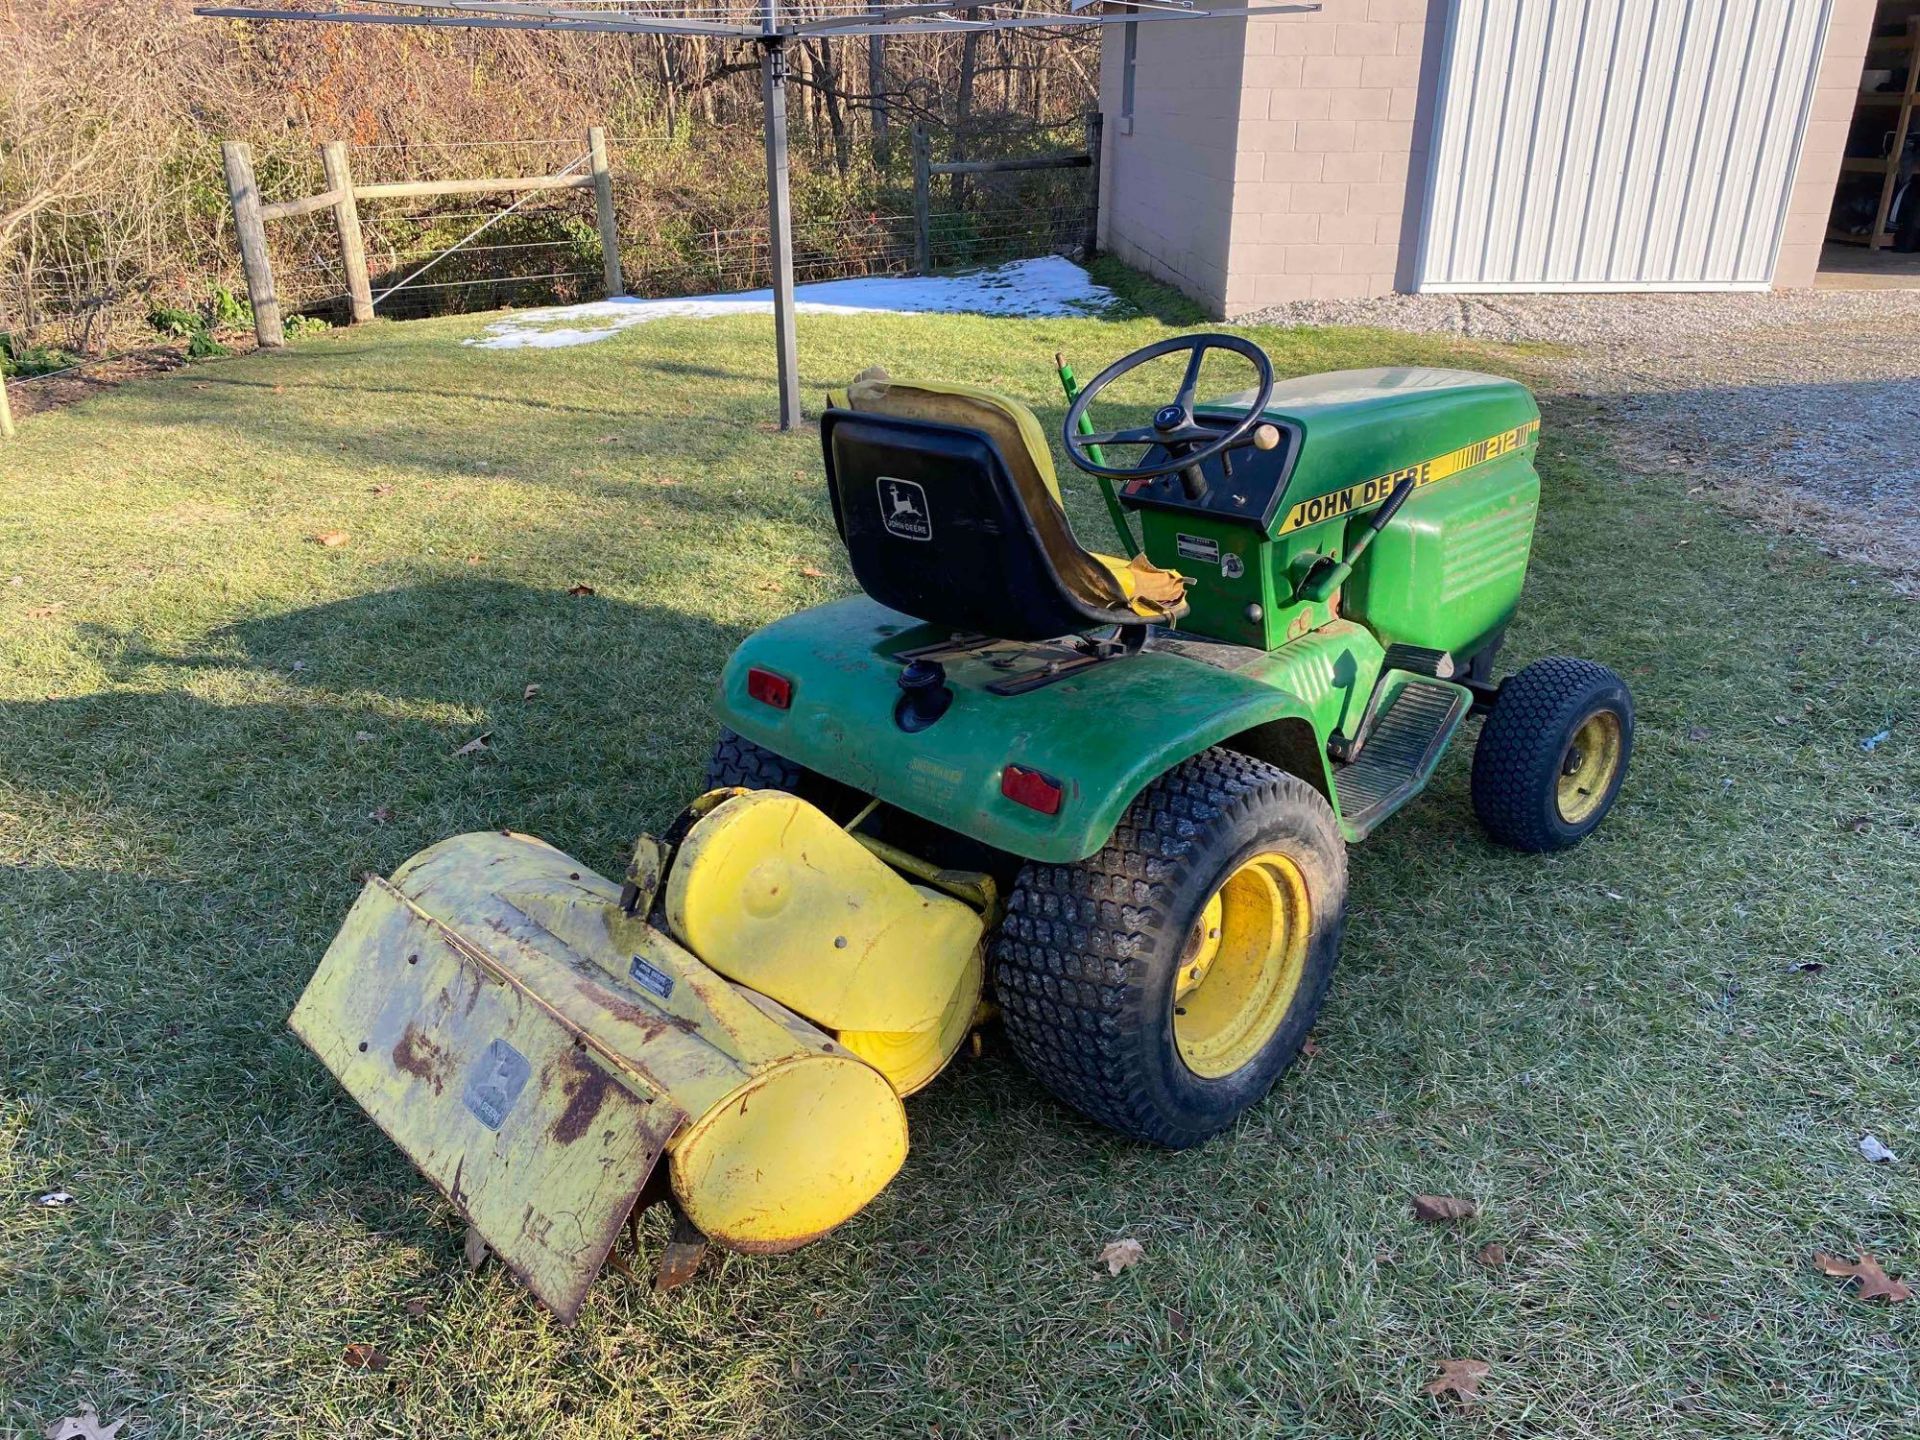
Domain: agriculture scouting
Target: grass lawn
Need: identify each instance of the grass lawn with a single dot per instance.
(211, 725)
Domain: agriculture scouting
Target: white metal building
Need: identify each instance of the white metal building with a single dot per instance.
(1482, 145)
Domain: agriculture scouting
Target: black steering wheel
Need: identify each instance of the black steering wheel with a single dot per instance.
(1188, 443)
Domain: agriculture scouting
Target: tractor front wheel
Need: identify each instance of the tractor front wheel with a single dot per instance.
(1551, 756)
(1163, 985)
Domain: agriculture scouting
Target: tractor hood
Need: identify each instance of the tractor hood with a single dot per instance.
(1357, 433)
(1103, 733)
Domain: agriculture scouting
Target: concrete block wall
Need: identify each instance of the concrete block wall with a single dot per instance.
(1328, 151)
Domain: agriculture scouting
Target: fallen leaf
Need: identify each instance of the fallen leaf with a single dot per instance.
(1698, 732)
(1310, 1047)
(44, 612)
(579, 590)
(380, 815)
(531, 691)
(1807, 967)
(362, 736)
(1492, 1255)
(1122, 1254)
(1439, 1209)
(1875, 1150)
(476, 559)
(476, 745)
(297, 666)
(1875, 1283)
(1462, 1377)
(330, 539)
(361, 1356)
(54, 1200)
(380, 489)
(1177, 1322)
(17, 581)
(84, 1426)
(1857, 824)
(812, 572)
(416, 1307)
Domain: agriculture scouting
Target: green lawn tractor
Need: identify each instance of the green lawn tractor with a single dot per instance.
(1106, 798)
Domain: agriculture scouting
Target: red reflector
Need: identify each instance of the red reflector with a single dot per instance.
(1031, 789)
(769, 688)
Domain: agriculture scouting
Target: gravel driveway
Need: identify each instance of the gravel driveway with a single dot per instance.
(1801, 408)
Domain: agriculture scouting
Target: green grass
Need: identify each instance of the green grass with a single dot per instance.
(1606, 1048)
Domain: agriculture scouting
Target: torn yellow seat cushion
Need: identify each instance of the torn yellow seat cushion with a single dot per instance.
(1151, 591)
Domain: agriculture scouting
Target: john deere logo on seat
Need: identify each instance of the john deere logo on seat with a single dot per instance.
(903, 509)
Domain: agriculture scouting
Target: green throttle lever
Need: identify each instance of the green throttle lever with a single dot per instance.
(1114, 508)
(1322, 581)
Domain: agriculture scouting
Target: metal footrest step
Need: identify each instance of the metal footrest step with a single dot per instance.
(1401, 748)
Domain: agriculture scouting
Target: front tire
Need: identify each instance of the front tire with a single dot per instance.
(1164, 984)
(1553, 754)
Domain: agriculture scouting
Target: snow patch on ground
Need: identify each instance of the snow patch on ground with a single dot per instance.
(1047, 286)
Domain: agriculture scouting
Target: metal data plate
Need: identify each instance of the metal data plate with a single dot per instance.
(539, 1145)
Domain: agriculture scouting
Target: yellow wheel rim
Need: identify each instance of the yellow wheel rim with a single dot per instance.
(1588, 767)
(1241, 966)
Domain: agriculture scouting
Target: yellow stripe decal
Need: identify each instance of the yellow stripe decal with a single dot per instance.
(1369, 493)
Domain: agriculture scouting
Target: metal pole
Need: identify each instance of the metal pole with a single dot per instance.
(773, 94)
(877, 85)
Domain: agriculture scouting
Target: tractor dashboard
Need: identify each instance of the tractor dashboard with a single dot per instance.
(1244, 486)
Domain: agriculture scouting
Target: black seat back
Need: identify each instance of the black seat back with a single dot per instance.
(934, 527)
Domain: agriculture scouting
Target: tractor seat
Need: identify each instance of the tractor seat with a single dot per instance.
(946, 499)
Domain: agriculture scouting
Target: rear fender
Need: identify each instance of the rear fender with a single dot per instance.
(1104, 733)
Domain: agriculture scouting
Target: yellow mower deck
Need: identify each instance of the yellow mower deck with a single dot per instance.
(535, 1049)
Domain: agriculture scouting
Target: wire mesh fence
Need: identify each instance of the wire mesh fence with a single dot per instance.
(690, 219)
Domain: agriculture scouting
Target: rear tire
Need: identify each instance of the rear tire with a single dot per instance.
(736, 760)
(1092, 958)
(1552, 755)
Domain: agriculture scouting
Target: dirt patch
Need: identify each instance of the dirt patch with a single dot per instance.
(36, 395)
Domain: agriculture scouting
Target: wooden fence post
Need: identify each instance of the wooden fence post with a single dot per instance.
(346, 222)
(6, 412)
(1096, 123)
(922, 212)
(609, 222)
(251, 229)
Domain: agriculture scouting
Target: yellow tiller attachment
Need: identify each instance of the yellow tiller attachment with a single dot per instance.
(774, 895)
(535, 1048)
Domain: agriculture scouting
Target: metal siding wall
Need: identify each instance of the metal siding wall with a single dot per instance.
(1617, 144)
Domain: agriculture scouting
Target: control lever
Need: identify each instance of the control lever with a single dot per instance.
(1323, 580)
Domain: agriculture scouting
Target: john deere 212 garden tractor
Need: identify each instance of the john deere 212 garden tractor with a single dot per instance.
(1109, 798)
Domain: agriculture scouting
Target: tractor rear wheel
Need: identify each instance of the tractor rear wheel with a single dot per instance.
(736, 760)
(1551, 756)
(1164, 984)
